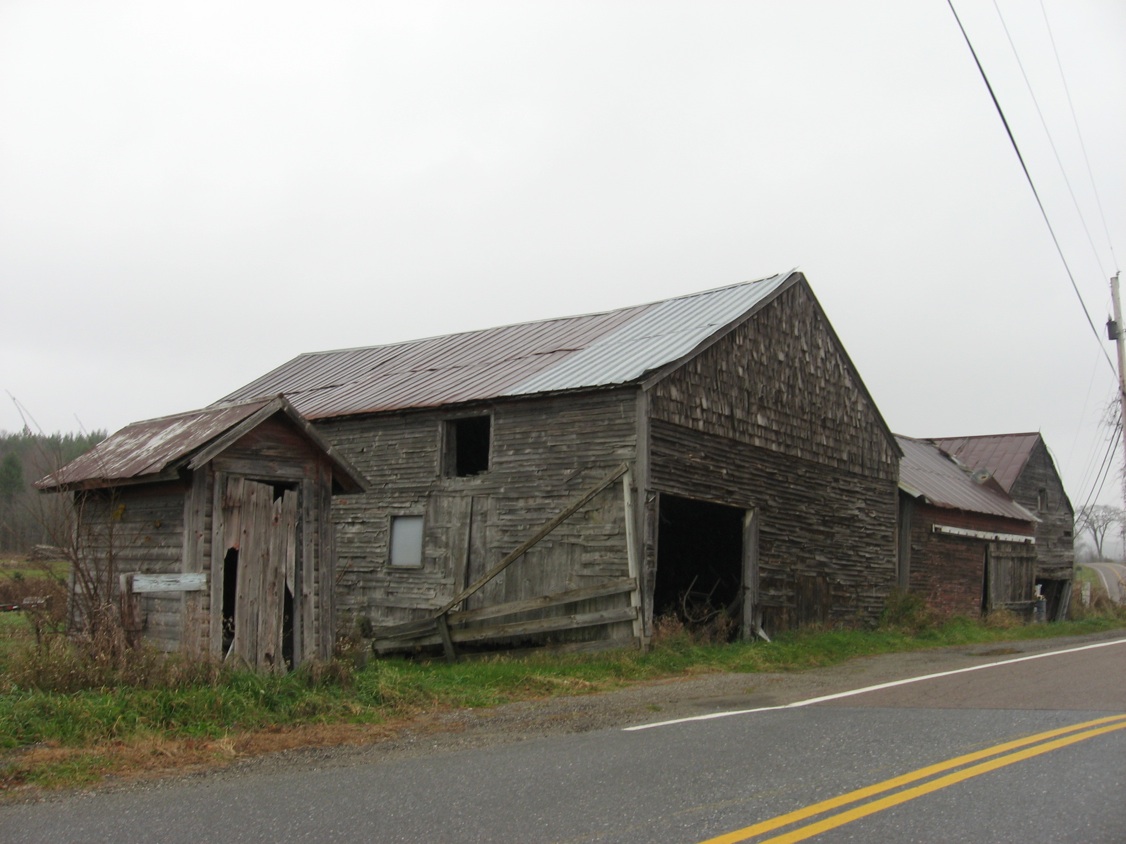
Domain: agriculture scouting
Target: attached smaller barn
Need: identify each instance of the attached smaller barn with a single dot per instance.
(211, 531)
(964, 544)
(1023, 467)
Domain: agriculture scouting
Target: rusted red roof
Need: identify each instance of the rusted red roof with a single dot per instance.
(1002, 455)
(927, 471)
(155, 449)
(595, 350)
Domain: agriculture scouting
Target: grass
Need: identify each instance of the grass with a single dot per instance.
(179, 715)
(20, 569)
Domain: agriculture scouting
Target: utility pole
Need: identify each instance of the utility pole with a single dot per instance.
(1114, 330)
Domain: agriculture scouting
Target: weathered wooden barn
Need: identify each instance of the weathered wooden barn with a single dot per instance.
(964, 545)
(1023, 466)
(212, 531)
(566, 481)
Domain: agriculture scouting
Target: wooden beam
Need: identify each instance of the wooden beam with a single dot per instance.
(523, 548)
(544, 625)
(447, 643)
(631, 555)
(614, 587)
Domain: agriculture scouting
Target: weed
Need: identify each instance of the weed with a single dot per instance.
(908, 611)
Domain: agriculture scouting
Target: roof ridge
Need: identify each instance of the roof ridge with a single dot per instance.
(545, 320)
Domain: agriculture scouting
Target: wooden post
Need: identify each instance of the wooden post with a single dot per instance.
(631, 558)
(1121, 344)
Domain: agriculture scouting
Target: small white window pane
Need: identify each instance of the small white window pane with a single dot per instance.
(406, 540)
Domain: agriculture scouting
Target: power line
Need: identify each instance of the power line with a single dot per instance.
(1079, 134)
(1104, 470)
(1031, 184)
(1048, 134)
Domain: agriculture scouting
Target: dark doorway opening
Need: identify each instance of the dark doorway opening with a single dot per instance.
(230, 590)
(287, 629)
(700, 564)
(1056, 594)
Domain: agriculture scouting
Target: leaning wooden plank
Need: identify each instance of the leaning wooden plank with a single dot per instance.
(447, 643)
(613, 587)
(392, 646)
(540, 534)
(544, 625)
(631, 554)
(407, 628)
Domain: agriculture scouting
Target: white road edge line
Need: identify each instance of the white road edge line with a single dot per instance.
(866, 689)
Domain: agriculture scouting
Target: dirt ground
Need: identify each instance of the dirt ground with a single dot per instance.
(451, 731)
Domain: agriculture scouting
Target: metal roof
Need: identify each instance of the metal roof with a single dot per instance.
(1004, 455)
(595, 350)
(155, 449)
(928, 472)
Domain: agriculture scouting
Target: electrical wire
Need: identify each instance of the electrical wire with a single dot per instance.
(1083, 512)
(1031, 183)
(1051, 140)
(1079, 134)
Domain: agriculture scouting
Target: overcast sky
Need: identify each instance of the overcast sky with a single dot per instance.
(193, 193)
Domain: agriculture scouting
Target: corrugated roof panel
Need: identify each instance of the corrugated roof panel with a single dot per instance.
(664, 333)
(1004, 455)
(148, 448)
(928, 471)
(560, 354)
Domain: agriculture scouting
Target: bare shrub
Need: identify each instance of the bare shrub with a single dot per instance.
(66, 665)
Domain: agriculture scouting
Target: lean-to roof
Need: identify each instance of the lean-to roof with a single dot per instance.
(556, 355)
(156, 449)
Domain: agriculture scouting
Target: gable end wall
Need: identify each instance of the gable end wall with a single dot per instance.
(772, 417)
(1055, 548)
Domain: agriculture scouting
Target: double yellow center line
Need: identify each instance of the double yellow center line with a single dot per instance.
(998, 756)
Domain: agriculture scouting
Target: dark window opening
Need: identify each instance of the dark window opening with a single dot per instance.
(230, 590)
(467, 445)
(700, 565)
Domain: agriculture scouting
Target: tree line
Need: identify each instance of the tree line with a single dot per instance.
(28, 518)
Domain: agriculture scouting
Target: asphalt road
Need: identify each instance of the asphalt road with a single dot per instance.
(720, 772)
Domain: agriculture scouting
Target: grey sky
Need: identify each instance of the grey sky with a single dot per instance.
(193, 193)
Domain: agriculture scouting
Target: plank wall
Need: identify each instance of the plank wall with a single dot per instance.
(142, 530)
(545, 454)
(1055, 548)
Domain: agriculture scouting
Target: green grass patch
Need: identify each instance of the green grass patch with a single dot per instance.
(1089, 575)
(25, 570)
(189, 703)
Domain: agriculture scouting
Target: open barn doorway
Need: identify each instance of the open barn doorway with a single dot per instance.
(700, 565)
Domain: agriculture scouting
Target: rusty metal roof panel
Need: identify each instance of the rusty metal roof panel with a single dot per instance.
(927, 471)
(1004, 455)
(571, 353)
(148, 448)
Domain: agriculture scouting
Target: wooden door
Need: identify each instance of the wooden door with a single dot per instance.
(261, 524)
